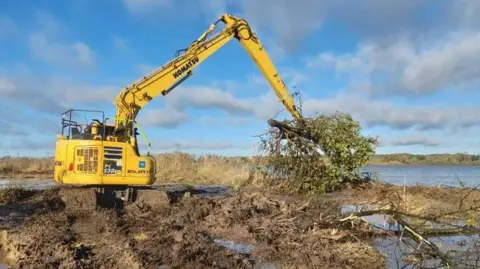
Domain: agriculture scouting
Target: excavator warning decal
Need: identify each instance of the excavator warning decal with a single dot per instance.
(112, 161)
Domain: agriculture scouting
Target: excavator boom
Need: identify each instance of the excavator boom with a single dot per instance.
(162, 81)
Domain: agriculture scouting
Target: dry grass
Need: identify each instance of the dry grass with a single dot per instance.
(12, 165)
(447, 203)
(214, 169)
(171, 167)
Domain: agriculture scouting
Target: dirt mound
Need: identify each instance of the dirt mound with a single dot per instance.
(291, 233)
(183, 232)
(14, 195)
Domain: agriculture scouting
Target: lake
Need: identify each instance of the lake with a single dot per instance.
(431, 175)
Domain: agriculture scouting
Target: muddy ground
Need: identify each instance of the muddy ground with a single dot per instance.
(188, 229)
(181, 231)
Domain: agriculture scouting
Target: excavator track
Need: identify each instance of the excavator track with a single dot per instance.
(85, 200)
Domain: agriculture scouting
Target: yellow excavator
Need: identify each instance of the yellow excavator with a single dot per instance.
(103, 156)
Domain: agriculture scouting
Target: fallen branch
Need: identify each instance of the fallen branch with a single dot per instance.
(419, 238)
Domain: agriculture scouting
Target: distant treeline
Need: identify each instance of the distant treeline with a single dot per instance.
(431, 159)
(165, 161)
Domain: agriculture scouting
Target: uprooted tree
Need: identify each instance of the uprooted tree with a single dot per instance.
(316, 155)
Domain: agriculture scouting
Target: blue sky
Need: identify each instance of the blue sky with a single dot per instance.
(406, 70)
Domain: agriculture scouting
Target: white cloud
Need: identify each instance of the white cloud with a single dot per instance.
(384, 20)
(290, 21)
(7, 87)
(53, 93)
(84, 55)
(64, 54)
(207, 97)
(412, 69)
(395, 55)
(196, 144)
(46, 45)
(372, 113)
(368, 58)
(120, 44)
(417, 140)
(177, 102)
(466, 13)
(450, 63)
(48, 94)
(231, 120)
(165, 117)
(8, 28)
(48, 25)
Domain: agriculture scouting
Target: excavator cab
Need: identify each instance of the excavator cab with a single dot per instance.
(91, 153)
(73, 128)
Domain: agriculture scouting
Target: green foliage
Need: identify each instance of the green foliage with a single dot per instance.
(330, 158)
(430, 159)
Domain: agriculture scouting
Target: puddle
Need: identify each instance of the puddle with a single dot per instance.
(462, 249)
(377, 221)
(32, 184)
(242, 249)
(245, 250)
(401, 250)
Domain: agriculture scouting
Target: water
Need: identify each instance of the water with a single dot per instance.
(243, 249)
(377, 221)
(396, 249)
(430, 175)
(34, 184)
(240, 248)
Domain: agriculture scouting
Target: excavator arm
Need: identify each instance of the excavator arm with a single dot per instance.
(99, 158)
(130, 100)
